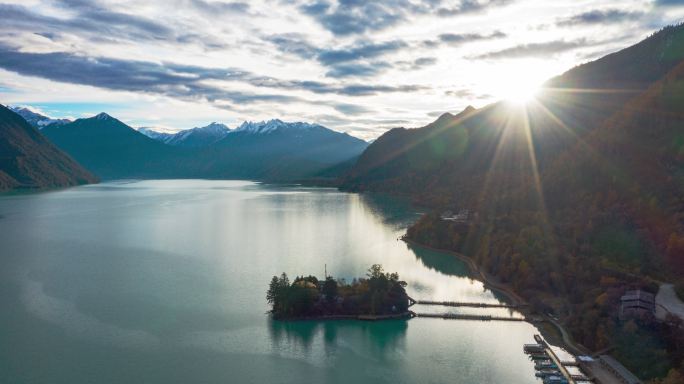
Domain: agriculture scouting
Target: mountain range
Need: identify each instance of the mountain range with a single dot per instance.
(270, 150)
(29, 160)
(194, 137)
(35, 119)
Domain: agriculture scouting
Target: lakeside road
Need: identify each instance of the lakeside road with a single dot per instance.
(667, 301)
(493, 283)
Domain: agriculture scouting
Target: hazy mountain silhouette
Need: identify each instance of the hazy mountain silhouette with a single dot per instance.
(272, 150)
(194, 137)
(112, 149)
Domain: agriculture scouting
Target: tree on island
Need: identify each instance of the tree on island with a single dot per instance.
(277, 293)
(379, 293)
(330, 289)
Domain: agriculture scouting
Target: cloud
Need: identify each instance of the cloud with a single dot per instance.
(96, 23)
(467, 94)
(351, 109)
(349, 17)
(94, 14)
(358, 59)
(471, 6)
(668, 3)
(357, 70)
(174, 80)
(214, 8)
(600, 16)
(361, 59)
(293, 43)
(419, 63)
(361, 51)
(534, 49)
(364, 90)
(462, 38)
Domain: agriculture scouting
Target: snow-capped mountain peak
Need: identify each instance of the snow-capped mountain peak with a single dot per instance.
(215, 127)
(269, 126)
(152, 133)
(103, 116)
(36, 119)
(194, 137)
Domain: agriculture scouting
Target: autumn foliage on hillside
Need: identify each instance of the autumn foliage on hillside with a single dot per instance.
(578, 195)
(29, 160)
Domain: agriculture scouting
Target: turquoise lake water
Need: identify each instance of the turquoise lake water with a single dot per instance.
(164, 282)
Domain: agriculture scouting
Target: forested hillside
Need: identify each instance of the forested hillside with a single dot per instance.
(573, 198)
(29, 160)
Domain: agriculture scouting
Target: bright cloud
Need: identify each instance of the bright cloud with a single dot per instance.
(355, 66)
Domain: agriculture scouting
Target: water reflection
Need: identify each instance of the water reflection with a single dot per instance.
(440, 261)
(185, 264)
(384, 335)
(390, 209)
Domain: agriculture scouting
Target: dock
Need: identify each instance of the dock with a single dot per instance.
(465, 304)
(456, 316)
(553, 362)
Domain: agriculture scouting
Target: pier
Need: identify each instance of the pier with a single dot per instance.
(552, 368)
(465, 304)
(456, 316)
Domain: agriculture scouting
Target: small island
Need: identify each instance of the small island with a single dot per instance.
(378, 296)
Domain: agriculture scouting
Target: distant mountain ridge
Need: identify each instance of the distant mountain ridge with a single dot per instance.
(35, 119)
(272, 150)
(194, 137)
(114, 150)
(29, 160)
(273, 125)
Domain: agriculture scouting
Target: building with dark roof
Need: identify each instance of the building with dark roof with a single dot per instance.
(637, 303)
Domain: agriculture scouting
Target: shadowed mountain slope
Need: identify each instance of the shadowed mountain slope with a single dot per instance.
(29, 160)
(572, 199)
(112, 149)
(274, 150)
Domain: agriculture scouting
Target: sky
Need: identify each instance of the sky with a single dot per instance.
(360, 67)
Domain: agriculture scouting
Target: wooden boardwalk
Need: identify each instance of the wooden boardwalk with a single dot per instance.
(456, 316)
(465, 304)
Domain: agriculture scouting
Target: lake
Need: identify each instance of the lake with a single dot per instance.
(165, 281)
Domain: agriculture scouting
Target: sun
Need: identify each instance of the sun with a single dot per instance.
(519, 91)
(518, 82)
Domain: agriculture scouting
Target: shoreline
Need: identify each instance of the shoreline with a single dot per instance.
(489, 282)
